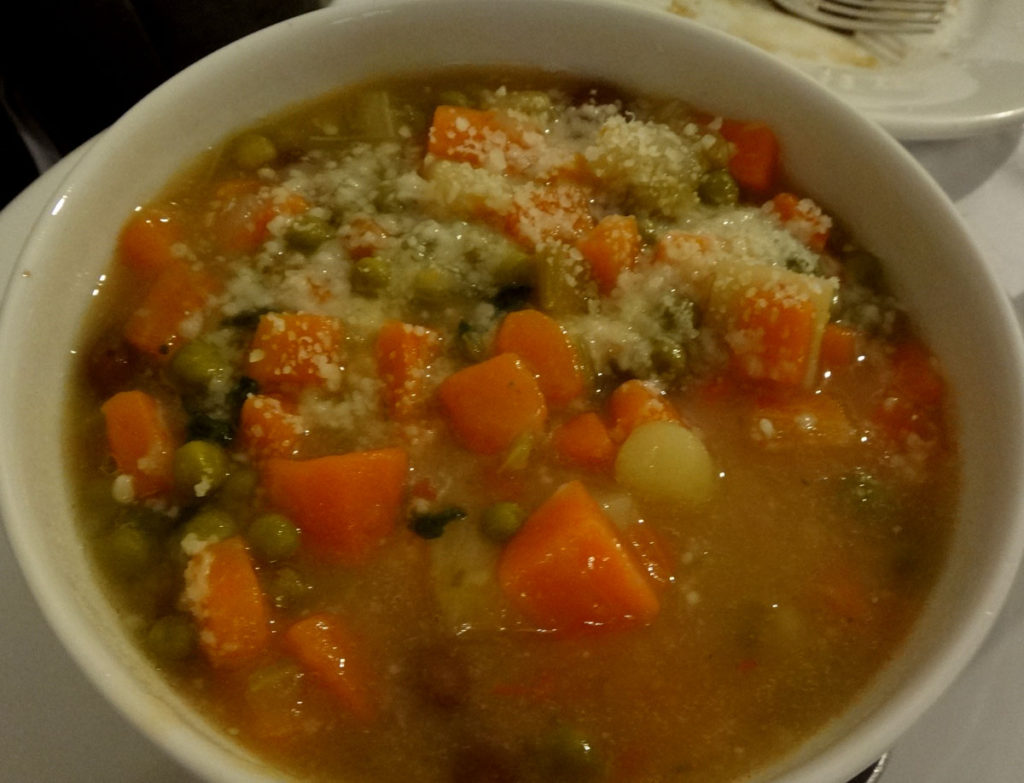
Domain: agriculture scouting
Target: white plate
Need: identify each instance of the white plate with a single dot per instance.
(964, 79)
(56, 727)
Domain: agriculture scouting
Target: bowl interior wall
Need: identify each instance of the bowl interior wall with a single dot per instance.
(890, 205)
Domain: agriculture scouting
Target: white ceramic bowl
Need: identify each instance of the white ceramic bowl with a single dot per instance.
(832, 153)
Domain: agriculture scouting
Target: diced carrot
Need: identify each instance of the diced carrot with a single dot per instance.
(775, 337)
(838, 348)
(269, 427)
(475, 136)
(556, 211)
(324, 646)
(611, 247)
(404, 353)
(842, 592)
(492, 403)
(637, 402)
(915, 375)
(245, 209)
(547, 352)
(363, 236)
(803, 219)
(755, 163)
(345, 504)
(800, 419)
(177, 294)
(584, 440)
(292, 351)
(224, 595)
(913, 398)
(566, 570)
(147, 241)
(772, 319)
(140, 441)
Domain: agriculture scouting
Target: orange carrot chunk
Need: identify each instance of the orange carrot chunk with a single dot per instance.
(838, 348)
(546, 350)
(803, 219)
(557, 211)
(177, 293)
(800, 419)
(566, 570)
(637, 402)
(774, 336)
(404, 353)
(612, 246)
(245, 209)
(292, 351)
(475, 136)
(146, 243)
(490, 404)
(913, 397)
(269, 427)
(224, 595)
(325, 648)
(584, 440)
(345, 504)
(140, 441)
(755, 163)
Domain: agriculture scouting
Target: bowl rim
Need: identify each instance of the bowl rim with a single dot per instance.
(92, 657)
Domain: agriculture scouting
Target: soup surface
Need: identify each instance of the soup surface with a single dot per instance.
(498, 427)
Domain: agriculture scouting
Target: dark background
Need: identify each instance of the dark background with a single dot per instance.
(69, 68)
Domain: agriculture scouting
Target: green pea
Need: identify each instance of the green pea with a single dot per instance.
(210, 524)
(370, 276)
(719, 153)
(718, 188)
(172, 637)
(254, 150)
(514, 267)
(501, 521)
(147, 520)
(200, 468)
(566, 754)
(129, 550)
(238, 488)
(433, 286)
(308, 232)
(198, 363)
(287, 588)
(273, 536)
(668, 358)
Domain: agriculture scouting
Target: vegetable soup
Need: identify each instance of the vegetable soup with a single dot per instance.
(495, 426)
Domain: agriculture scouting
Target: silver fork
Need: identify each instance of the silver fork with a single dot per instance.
(894, 16)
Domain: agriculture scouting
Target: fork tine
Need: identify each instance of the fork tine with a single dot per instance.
(878, 16)
(873, 8)
(907, 5)
(893, 16)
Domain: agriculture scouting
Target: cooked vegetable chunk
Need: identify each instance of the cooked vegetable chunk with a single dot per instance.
(345, 504)
(567, 571)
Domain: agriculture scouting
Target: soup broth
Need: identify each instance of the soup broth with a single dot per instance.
(503, 427)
